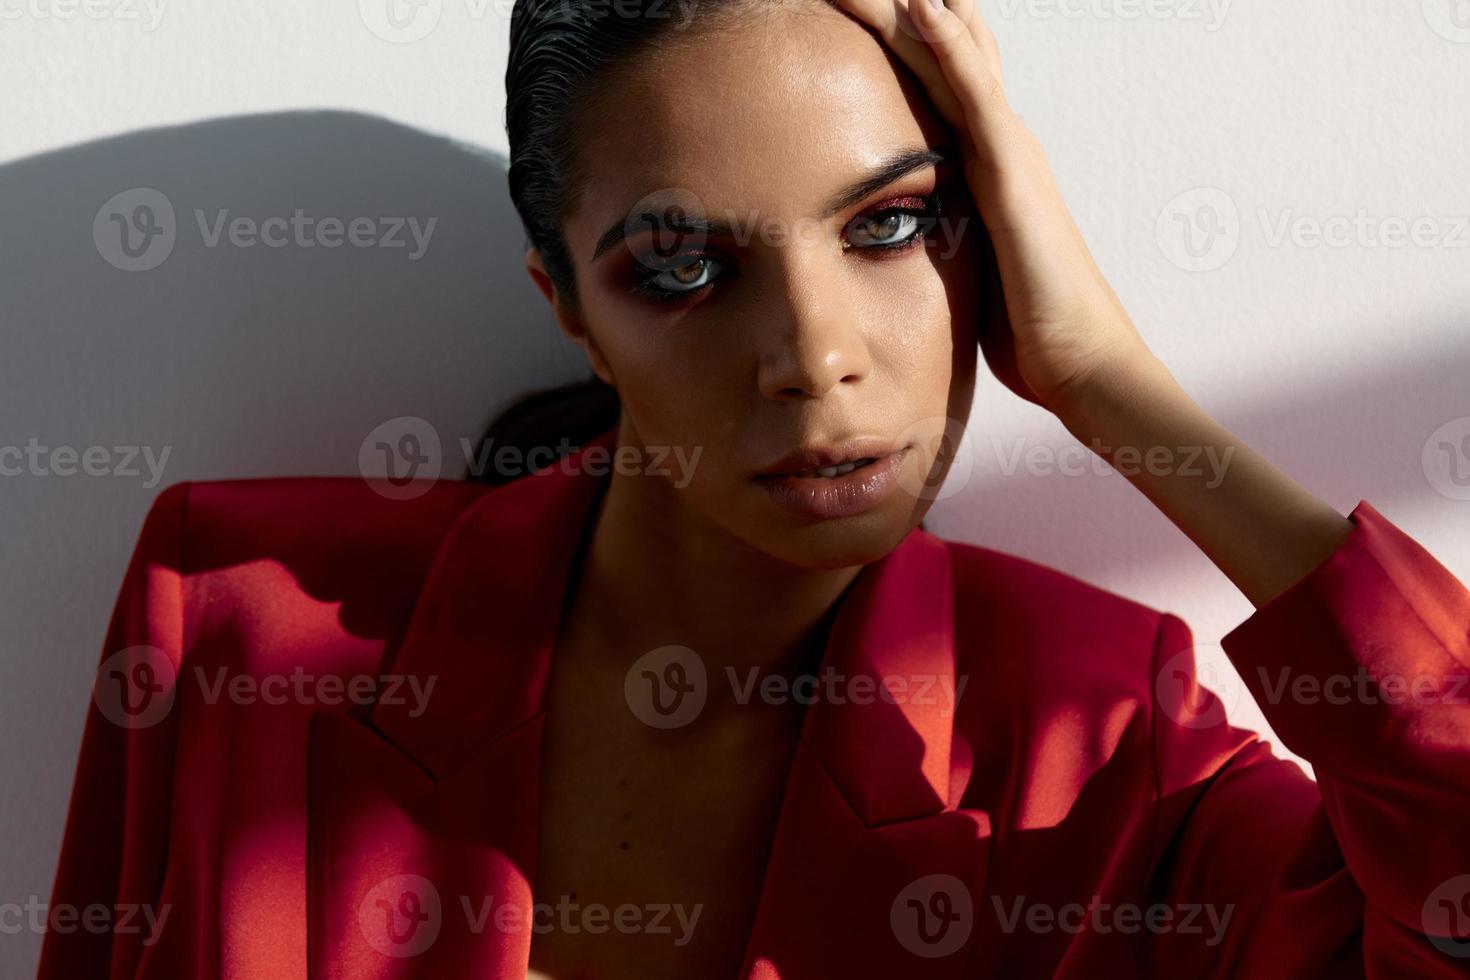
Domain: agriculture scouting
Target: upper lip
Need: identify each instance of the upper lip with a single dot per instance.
(835, 454)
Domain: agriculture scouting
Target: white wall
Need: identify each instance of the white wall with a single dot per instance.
(1338, 361)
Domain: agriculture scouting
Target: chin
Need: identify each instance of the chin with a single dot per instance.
(841, 542)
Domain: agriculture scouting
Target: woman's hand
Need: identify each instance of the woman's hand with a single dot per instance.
(1059, 337)
(1057, 323)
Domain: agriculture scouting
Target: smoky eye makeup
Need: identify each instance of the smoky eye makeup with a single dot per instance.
(894, 225)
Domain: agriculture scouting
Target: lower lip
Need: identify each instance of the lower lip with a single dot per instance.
(823, 498)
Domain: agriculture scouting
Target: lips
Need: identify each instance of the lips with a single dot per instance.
(822, 484)
(827, 472)
(831, 460)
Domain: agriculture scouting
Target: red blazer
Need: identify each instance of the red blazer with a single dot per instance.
(1084, 810)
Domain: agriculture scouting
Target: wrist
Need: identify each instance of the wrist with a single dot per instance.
(1097, 394)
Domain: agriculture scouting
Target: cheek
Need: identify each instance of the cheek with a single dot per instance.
(934, 308)
(674, 389)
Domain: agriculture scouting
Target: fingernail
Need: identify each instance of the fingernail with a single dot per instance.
(937, 4)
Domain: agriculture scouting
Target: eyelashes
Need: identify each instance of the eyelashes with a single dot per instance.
(894, 226)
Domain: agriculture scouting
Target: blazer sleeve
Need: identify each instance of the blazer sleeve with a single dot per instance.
(114, 846)
(1361, 668)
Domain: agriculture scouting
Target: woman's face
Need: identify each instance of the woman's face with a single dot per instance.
(829, 312)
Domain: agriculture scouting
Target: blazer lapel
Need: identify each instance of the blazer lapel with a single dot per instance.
(422, 818)
(874, 870)
(422, 827)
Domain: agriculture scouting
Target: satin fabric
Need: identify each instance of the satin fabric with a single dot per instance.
(1062, 777)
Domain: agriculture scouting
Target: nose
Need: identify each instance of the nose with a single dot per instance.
(813, 342)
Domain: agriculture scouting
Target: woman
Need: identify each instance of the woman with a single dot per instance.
(702, 699)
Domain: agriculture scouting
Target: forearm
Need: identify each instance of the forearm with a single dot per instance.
(1260, 527)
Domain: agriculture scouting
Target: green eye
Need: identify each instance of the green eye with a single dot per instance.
(897, 226)
(888, 228)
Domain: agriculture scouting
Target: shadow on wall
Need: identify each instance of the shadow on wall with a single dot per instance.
(1397, 435)
(192, 349)
(254, 291)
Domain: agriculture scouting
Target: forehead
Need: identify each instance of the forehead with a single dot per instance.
(770, 116)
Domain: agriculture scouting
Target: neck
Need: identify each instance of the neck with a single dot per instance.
(651, 576)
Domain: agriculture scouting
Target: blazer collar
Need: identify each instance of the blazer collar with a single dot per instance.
(486, 622)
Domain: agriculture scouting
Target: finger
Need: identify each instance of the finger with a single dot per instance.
(967, 17)
(1001, 142)
(984, 37)
(894, 24)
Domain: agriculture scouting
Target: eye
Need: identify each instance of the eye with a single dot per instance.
(896, 226)
(674, 278)
(889, 227)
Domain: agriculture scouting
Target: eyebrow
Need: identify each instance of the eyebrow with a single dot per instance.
(896, 167)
